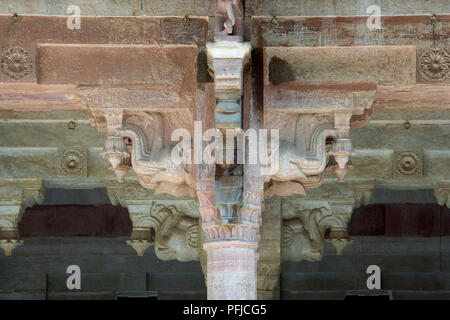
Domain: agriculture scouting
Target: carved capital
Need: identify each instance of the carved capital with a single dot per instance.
(268, 277)
(171, 229)
(362, 193)
(442, 192)
(308, 224)
(231, 232)
(15, 197)
(337, 225)
(226, 60)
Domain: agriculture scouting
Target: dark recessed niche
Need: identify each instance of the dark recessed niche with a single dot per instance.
(75, 221)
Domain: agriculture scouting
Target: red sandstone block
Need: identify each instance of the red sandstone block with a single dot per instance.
(118, 64)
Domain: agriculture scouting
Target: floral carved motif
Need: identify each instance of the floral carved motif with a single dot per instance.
(408, 164)
(435, 63)
(16, 62)
(72, 162)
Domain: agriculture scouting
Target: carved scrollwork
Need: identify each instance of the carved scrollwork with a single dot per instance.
(146, 154)
(305, 158)
(308, 226)
(175, 233)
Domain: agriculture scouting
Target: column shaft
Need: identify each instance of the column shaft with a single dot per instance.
(231, 272)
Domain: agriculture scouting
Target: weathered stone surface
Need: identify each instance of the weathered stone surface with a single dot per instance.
(269, 250)
(179, 8)
(337, 65)
(293, 98)
(183, 31)
(205, 8)
(231, 270)
(381, 65)
(38, 98)
(87, 8)
(342, 8)
(372, 163)
(419, 97)
(52, 133)
(347, 31)
(110, 64)
(29, 31)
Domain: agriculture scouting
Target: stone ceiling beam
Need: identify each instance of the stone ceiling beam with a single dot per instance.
(33, 97)
(301, 31)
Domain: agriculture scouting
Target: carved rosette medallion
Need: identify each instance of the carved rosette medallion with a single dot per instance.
(16, 62)
(408, 164)
(435, 63)
(72, 162)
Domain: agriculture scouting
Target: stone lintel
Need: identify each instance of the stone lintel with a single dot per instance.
(417, 97)
(383, 65)
(291, 97)
(33, 97)
(350, 30)
(118, 64)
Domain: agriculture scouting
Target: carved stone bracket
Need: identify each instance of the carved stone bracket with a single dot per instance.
(15, 197)
(321, 217)
(314, 119)
(267, 280)
(140, 114)
(308, 224)
(314, 126)
(171, 226)
(442, 192)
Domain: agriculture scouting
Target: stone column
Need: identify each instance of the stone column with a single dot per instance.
(231, 269)
(229, 193)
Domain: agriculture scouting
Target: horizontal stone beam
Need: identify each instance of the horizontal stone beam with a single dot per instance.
(349, 30)
(32, 97)
(29, 31)
(418, 97)
(383, 65)
(315, 8)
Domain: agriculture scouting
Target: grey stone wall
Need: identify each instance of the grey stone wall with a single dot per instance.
(37, 270)
(413, 268)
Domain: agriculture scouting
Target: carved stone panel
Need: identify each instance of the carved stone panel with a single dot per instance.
(16, 62)
(434, 63)
(408, 164)
(72, 161)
